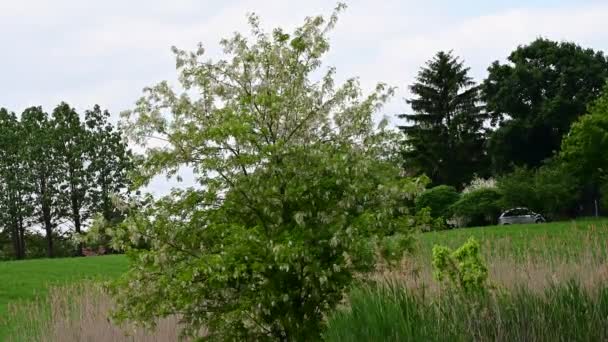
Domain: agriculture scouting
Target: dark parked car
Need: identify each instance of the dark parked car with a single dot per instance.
(520, 215)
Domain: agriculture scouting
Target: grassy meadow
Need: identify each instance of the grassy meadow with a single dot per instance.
(543, 275)
(23, 282)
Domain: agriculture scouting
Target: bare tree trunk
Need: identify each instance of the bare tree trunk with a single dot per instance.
(21, 237)
(15, 239)
(46, 218)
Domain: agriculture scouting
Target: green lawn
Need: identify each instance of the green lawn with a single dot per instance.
(564, 239)
(26, 280)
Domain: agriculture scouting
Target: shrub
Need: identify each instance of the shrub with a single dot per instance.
(463, 268)
(438, 200)
(551, 189)
(518, 189)
(478, 207)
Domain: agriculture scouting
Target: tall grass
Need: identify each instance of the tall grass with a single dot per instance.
(80, 312)
(390, 312)
(547, 283)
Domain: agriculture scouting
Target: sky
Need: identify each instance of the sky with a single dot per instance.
(106, 52)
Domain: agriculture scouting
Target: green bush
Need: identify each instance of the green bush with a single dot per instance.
(478, 207)
(550, 190)
(389, 312)
(518, 189)
(438, 199)
(464, 268)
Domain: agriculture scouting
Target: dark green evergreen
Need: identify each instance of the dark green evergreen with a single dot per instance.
(444, 134)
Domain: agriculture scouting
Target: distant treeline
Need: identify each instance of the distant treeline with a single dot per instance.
(56, 172)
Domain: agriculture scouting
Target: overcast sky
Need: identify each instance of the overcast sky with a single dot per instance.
(105, 52)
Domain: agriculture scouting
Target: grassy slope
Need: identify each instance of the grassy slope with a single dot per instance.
(563, 238)
(26, 280)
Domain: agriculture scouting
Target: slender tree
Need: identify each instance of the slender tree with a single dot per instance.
(444, 134)
(41, 161)
(15, 205)
(110, 162)
(72, 155)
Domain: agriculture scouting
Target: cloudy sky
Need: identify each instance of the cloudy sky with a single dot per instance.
(105, 52)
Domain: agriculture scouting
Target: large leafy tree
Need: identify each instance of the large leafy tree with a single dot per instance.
(15, 202)
(295, 191)
(444, 134)
(71, 150)
(110, 162)
(585, 147)
(40, 155)
(536, 96)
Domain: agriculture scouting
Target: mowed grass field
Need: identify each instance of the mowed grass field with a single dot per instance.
(23, 282)
(29, 280)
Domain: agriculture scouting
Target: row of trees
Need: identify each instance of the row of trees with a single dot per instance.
(56, 172)
(511, 125)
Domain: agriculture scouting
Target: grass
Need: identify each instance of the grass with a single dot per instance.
(547, 283)
(524, 260)
(23, 281)
(564, 312)
(565, 239)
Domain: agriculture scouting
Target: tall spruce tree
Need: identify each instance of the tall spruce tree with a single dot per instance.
(444, 134)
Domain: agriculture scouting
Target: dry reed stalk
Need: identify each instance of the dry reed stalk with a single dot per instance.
(81, 313)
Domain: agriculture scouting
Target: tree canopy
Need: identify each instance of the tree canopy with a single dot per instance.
(295, 191)
(544, 87)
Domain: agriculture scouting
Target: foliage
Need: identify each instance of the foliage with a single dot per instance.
(518, 189)
(15, 200)
(584, 148)
(56, 173)
(444, 136)
(463, 268)
(478, 207)
(391, 312)
(71, 148)
(296, 192)
(438, 199)
(41, 158)
(536, 96)
(557, 189)
(550, 189)
(110, 164)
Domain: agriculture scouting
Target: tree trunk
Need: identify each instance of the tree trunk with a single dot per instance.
(15, 239)
(77, 223)
(21, 238)
(46, 218)
(49, 236)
